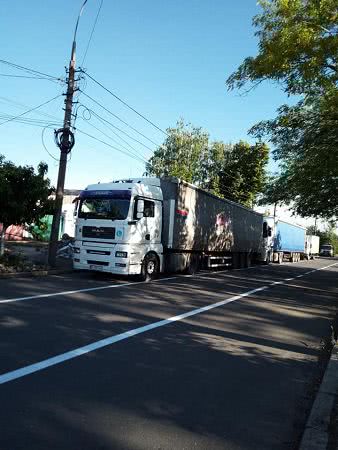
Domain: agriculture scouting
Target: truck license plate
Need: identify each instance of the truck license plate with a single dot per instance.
(95, 267)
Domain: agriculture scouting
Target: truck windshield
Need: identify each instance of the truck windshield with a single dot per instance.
(104, 208)
(326, 247)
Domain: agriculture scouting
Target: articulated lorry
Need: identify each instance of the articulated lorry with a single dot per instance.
(283, 240)
(147, 226)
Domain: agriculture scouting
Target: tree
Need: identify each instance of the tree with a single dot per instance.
(24, 194)
(242, 176)
(298, 47)
(329, 236)
(181, 154)
(305, 138)
(235, 171)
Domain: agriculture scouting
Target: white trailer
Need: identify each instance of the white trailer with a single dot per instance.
(311, 246)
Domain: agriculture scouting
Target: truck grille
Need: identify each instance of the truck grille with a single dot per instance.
(98, 232)
(97, 263)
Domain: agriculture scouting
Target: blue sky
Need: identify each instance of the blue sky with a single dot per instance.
(167, 59)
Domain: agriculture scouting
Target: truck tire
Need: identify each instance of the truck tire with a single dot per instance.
(150, 267)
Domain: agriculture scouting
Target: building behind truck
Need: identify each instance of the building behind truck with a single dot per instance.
(150, 225)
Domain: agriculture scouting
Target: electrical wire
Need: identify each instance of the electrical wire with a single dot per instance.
(121, 120)
(27, 69)
(92, 32)
(30, 110)
(108, 145)
(44, 145)
(118, 136)
(121, 131)
(112, 139)
(33, 122)
(134, 150)
(23, 76)
(22, 105)
(126, 104)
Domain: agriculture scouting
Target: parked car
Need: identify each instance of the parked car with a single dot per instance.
(326, 250)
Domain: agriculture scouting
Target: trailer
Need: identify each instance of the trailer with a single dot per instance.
(311, 246)
(146, 226)
(284, 240)
(204, 230)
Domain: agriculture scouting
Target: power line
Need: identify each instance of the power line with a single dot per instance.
(30, 110)
(27, 69)
(120, 130)
(22, 105)
(111, 146)
(126, 104)
(91, 34)
(24, 76)
(121, 120)
(27, 121)
(117, 135)
(109, 126)
(112, 139)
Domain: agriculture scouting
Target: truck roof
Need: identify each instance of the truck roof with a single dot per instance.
(145, 187)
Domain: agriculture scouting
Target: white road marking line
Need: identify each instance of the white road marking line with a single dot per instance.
(112, 286)
(98, 288)
(44, 364)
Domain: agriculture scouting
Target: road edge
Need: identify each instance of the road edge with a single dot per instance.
(35, 273)
(316, 433)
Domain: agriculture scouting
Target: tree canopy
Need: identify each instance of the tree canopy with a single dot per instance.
(236, 172)
(298, 47)
(24, 194)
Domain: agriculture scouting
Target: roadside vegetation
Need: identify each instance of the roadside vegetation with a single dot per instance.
(298, 49)
(24, 199)
(235, 171)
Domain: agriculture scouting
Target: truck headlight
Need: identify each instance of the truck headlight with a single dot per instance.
(121, 254)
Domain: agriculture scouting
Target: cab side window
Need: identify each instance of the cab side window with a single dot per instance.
(149, 209)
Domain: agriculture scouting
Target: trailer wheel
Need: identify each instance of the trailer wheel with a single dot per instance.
(150, 267)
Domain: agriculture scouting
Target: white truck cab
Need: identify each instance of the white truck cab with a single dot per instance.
(119, 226)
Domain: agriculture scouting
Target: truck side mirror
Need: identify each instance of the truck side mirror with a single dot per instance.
(269, 231)
(140, 209)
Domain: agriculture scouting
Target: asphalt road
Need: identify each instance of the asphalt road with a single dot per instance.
(225, 360)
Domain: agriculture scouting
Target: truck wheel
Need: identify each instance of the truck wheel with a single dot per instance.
(150, 267)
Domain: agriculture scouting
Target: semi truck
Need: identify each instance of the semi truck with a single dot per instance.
(146, 226)
(283, 240)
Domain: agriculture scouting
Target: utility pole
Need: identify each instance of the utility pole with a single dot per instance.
(64, 139)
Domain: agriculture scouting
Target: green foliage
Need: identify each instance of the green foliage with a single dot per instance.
(181, 154)
(24, 194)
(329, 236)
(242, 176)
(305, 138)
(41, 229)
(298, 46)
(236, 172)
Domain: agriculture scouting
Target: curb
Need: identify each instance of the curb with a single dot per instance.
(316, 434)
(35, 273)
